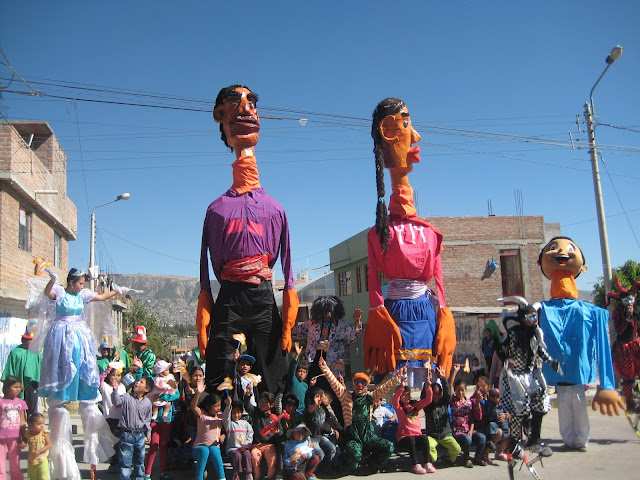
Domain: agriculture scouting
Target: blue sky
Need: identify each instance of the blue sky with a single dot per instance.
(492, 87)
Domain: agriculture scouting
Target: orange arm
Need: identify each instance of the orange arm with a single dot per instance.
(290, 304)
(203, 318)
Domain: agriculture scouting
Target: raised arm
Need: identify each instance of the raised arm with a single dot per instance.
(338, 388)
(382, 390)
(196, 397)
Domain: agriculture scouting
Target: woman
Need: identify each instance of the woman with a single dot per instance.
(70, 372)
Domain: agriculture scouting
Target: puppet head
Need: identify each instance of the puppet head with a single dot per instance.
(393, 136)
(562, 261)
(327, 308)
(236, 112)
(627, 297)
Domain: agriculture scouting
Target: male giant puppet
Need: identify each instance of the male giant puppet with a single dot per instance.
(244, 232)
(406, 249)
(574, 332)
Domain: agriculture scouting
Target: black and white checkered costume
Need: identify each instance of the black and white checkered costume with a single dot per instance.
(523, 388)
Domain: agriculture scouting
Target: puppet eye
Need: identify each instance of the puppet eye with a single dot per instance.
(406, 124)
(252, 105)
(234, 102)
(571, 248)
(553, 246)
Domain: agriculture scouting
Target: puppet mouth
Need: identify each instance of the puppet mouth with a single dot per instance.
(244, 126)
(562, 259)
(413, 155)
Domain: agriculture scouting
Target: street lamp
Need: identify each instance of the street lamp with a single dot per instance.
(124, 196)
(615, 54)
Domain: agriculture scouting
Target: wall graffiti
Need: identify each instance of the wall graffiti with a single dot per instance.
(11, 329)
(463, 333)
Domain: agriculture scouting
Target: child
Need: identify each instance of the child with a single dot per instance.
(476, 369)
(242, 384)
(317, 418)
(113, 415)
(436, 416)
(12, 426)
(409, 429)
(239, 438)
(164, 384)
(290, 405)
(209, 437)
(479, 402)
(382, 418)
(39, 445)
(134, 426)
(296, 376)
(264, 445)
(462, 424)
(299, 459)
(356, 408)
(188, 392)
(498, 415)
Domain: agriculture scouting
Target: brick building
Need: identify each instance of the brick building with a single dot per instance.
(471, 286)
(37, 218)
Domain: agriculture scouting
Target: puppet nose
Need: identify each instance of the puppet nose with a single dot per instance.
(415, 136)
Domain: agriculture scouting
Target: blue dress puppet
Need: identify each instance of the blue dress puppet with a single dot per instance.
(575, 332)
(66, 334)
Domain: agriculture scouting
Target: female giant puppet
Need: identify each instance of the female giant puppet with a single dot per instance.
(244, 232)
(406, 249)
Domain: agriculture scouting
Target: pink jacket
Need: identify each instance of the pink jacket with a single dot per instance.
(406, 426)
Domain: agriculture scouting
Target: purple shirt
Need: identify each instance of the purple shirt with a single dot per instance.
(240, 226)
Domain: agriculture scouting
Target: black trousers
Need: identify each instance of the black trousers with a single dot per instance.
(414, 442)
(31, 397)
(249, 309)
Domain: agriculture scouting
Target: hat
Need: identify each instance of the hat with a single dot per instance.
(248, 358)
(30, 331)
(141, 335)
(361, 376)
(160, 366)
(106, 344)
(300, 426)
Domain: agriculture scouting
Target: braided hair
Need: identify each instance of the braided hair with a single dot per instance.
(388, 106)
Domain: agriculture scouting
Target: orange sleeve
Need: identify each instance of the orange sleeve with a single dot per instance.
(203, 318)
(290, 305)
(445, 343)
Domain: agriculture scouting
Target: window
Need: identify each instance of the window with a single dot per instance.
(510, 267)
(358, 281)
(24, 231)
(366, 278)
(344, 283)
(57, 250)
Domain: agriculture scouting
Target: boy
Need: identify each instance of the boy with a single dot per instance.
(135, 427)
(498, 415)
(360, 438)
(318, 419)
(296, 376)
(479, 402)
(242, 384)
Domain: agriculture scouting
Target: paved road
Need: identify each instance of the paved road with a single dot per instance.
(614, 452)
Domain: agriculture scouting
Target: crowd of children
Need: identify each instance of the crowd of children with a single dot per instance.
(317, 425)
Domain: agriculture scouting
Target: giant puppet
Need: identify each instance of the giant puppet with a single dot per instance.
(411, 325)
(626, 348)
(575, 332)
(244, 232)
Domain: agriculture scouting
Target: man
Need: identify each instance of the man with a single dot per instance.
(575, 332)
(25, 365)
(406, 249)
(109, 353)
(144, 358)
(244, 232)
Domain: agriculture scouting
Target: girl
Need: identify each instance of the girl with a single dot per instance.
(12, 426)
(69, 369)
(409, 428)
(164, 383)
(209, 437)
(113, 415)
(188, 392)
(39, 444)
(160, 428)
(240, 436)
(462, 424)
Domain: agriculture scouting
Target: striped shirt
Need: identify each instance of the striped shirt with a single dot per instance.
(344, 395)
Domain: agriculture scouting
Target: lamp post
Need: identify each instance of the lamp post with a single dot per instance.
(124, 196)
(589, 111)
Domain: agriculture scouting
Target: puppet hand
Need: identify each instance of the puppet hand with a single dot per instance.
(121, 290)
(608, 401)
(203, 317)
(555, 364)
(381, 338)
(53, 276)
(289, 313)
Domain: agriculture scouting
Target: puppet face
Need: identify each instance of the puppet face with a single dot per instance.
(238, 115)
(564, 255)
(397, 137)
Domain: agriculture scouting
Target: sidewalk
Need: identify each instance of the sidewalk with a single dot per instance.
(614, 450)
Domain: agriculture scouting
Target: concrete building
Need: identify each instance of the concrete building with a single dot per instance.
(471, 284)
(37, 218)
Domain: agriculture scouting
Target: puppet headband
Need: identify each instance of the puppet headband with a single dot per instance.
(622, 292)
